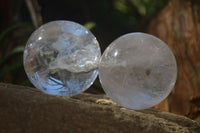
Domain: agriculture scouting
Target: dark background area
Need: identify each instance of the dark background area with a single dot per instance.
(107, 19)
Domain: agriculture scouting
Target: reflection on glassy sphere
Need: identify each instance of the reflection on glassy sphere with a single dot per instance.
(61, 58)
(138, 70)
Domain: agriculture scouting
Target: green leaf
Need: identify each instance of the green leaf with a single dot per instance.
(89, 25)
(8, 42)
(19, 49)
(97, 85)
(12, 28)
(149, 8)
(27, 83)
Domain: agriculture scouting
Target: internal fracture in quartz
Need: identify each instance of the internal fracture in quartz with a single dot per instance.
(61, 58)
(138, 70)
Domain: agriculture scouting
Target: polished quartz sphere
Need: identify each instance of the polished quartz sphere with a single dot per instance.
(137, 70)
(61, 58)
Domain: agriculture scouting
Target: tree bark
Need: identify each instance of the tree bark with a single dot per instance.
(28, 110)
(179, 26)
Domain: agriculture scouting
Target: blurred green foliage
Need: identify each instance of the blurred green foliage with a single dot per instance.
(89, 25)
(108, 19)
(12, 50)
(149, 8)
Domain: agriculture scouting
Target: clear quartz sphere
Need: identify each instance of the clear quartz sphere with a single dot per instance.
(61, 58)
(137, 70)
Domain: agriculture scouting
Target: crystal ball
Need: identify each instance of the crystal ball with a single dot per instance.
(61, 58)
(137, 71)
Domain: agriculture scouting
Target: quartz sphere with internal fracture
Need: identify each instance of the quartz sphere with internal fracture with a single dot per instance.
(137, 70)
(61, 58)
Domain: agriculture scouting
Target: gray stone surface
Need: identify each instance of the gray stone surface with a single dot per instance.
(28, 110)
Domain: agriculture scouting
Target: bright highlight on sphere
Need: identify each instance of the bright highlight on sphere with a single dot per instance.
(137, 71)
(61, 58)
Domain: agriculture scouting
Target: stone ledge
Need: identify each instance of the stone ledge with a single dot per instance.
(25, 109)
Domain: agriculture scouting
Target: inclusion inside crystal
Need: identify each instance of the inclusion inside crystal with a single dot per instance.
(137, 70)
(61, 58)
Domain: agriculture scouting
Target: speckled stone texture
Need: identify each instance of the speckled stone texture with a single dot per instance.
(28, 110)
